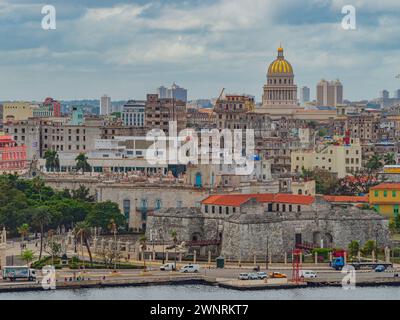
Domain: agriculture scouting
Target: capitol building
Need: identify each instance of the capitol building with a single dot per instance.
(280, 91)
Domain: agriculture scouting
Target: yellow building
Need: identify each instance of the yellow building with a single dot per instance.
(385, 198)
(16, 111)
(339, 159)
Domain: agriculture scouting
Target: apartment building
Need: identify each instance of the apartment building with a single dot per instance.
(338, 158)
(160, 112)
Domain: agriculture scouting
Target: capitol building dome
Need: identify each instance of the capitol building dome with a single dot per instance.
(280, 91)
(280, 65)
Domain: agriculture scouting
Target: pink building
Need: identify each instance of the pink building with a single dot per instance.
(12, 157)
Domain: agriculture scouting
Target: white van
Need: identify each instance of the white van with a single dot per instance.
(190, 268)
(308, 274)
(168, 267)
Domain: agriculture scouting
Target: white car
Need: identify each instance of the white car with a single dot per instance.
(190, 268)
(308, 274)
(243, 276)
(253, 276)
(168, 267)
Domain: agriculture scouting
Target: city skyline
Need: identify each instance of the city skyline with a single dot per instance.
(126, 49)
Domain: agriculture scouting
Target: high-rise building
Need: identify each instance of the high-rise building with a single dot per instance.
(397, 94)
(162, 92)
(329, 93)
(105, 105)
(305, 94)
(178, 93)
(385, 95)
(175, 92)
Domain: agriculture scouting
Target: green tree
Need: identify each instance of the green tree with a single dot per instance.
(41, 219)
(83, 194)
(83, 233)
(374, 163)
(23, 231)
(369, 246)
(52, 160)
(28, 256)
(354, 247)
(103, 212)
(82, 164)
(389, 159)
(325, 182)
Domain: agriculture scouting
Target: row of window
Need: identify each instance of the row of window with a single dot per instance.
(385, 193)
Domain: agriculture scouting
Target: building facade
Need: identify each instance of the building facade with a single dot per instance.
(329, 93)
(133, 113)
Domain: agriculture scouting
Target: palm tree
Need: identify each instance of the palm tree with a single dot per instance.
(374, 163)
(38, 185)
(82, 163)
(27, 256)
(83, 231)
(174, 236)
(389, 159)
(143, 247)
(41, 218)
(52, 160)
(23, 231)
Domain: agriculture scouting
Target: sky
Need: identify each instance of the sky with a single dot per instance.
(126, 49)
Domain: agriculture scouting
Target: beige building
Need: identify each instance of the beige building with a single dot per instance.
(19, 110)
(329, 93)
(339, 159)
(303, 187)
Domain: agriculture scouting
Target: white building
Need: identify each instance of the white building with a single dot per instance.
(133, 113)
(105, 105)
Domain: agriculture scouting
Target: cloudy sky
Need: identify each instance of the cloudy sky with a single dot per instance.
(127, 48)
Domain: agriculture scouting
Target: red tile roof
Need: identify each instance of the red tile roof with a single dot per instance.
(235, 200)
(386, 186)
(348, 199)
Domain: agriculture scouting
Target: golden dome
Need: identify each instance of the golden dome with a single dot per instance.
(280, 65)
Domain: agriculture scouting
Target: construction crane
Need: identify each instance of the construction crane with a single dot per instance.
(220, 96)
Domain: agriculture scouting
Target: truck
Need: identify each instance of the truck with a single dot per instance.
(13, 273)
(338, 264)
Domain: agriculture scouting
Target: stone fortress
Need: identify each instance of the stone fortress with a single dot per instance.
(240, 227)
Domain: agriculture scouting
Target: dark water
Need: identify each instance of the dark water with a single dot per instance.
(201, 292)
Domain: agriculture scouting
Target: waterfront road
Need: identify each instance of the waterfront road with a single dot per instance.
(221, 275)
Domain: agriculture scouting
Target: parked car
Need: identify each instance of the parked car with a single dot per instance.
(307, 274)
(190, 268)
(262, 275)
(243, 276)
(277, 275)
(380, 268)
(253, 276)
(168, 267)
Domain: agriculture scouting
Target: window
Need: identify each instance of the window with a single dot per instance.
(158, 204)
(385, 193)
(394, 194)
(127, 208)
(298, 208)
(206, 208)
(376, 193)
(220, 210)
(227, 210)
(213, 209)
